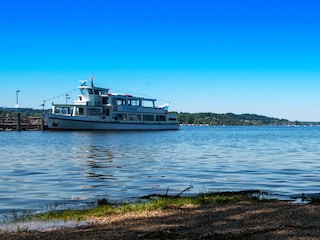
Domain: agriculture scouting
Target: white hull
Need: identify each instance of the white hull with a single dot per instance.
(55, 122)
(98, 109)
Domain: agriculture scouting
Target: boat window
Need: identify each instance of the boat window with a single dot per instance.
(104, 100)
(86, 91)
(62, 110)
(122, 117)
(134, 117)
(148, 117)
(134, 102)
(160, 118)
(94, 111)
(81, 111)
(146, 103)
(121, 101)
(106, 112)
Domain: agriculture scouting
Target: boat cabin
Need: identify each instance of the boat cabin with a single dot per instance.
(98, 105)
(94, 101)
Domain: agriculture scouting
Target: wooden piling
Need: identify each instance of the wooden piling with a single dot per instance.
(18, 122)
(42, 125)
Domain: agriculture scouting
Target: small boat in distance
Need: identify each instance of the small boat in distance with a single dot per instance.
(98, 109)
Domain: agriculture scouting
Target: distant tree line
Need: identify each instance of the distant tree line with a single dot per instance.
(212, 119)
(231, 119)
(25, 112)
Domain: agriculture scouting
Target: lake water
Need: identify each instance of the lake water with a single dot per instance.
(45, 169)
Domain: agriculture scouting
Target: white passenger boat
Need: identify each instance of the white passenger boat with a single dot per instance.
(98, 109)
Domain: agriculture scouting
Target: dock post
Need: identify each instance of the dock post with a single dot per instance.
(42, 124)
(18, 122)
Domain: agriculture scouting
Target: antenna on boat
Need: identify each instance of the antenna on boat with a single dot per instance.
(91, 79)
(83, 82)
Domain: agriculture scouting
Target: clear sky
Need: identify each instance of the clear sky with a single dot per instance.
(252, 56)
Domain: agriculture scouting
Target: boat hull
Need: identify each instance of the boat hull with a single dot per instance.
(55, 122)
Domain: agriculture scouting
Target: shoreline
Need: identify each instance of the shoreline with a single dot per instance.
(233, 220)
(230, 216)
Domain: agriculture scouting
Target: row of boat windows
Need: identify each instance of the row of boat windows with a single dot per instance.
(122, 101)
(106, 112)
(81, 111)
(137, 117)
(91, 91)
(125, 102)
(133, 102)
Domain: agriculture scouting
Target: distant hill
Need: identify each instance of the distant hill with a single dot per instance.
(23, 111)
(212, 119)
(231, 119)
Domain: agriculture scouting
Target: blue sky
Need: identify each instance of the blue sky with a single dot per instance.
(235, 56)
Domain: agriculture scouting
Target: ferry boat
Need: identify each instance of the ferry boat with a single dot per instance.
(98, 109)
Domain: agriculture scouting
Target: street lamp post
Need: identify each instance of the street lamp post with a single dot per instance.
(17, 98)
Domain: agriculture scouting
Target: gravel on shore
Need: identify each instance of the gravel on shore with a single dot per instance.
(241, 220)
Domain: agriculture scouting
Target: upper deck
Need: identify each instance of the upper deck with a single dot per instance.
(97, 96)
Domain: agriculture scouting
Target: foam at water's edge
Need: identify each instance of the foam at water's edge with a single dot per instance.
(40, 226)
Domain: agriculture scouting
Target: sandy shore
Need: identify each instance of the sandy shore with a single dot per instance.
(242, 220)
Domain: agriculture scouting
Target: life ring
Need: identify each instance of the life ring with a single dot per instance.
(115, 108)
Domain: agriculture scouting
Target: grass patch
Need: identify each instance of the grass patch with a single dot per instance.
(155, 203)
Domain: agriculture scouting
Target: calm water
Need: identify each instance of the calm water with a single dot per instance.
(47, 168)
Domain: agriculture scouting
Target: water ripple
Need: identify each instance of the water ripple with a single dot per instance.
(40, 168)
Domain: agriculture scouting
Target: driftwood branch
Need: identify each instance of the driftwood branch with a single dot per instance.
(187, 189)
(166, 195)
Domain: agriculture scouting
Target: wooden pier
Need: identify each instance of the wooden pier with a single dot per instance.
(16, 122)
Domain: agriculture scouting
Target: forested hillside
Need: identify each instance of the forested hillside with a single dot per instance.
(25, 112)
(231, 119)
(212, 119)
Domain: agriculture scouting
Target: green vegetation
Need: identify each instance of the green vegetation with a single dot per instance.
(156, 203)
(211, 119)
(25, 112)
(231, 119)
